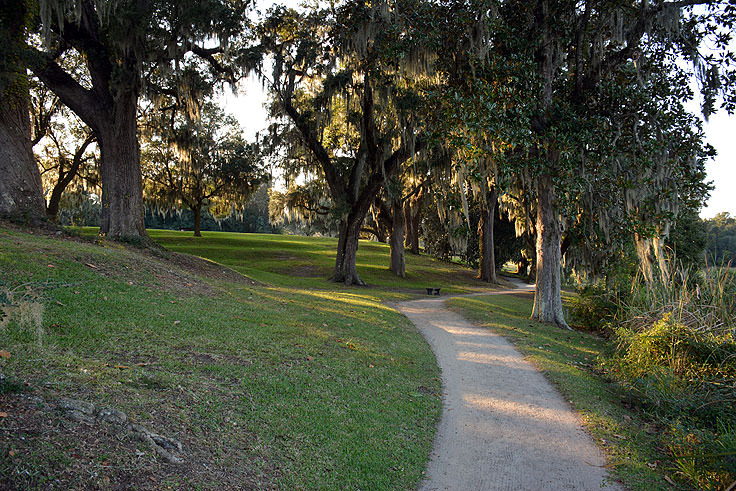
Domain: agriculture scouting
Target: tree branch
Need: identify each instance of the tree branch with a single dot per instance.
(80, 100)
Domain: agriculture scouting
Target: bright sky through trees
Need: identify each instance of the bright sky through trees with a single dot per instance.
(720, 131)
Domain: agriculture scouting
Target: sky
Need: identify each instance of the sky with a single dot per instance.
(720, 131)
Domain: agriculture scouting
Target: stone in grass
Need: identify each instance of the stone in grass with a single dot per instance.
(109, 415)
(79, 411)
(169, 449)
(70, 405)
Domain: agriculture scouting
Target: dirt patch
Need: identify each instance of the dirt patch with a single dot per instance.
(41, 447)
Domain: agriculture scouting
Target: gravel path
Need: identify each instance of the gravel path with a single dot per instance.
(503, 425)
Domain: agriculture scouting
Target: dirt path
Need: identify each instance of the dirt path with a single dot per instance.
(503, 425)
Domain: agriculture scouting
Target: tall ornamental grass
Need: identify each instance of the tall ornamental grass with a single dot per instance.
(675, 350)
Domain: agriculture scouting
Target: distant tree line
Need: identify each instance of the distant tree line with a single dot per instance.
(721, 239)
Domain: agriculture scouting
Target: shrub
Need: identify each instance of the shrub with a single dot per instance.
(675, 349)
(595, 306)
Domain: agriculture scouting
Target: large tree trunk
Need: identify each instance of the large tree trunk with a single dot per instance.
(197, 210)
(487, 266)
(398, 258)
(52, 208)
(547, 295)
(21, 193)
(346, 270)
(412, 214)
(122, 184)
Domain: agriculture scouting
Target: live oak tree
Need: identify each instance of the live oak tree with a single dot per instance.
(345, 78)
(575, 49)
(118, 41)
(21, 195)
(202, 163)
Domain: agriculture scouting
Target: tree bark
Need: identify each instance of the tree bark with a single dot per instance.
(21, 193)
(398, 257)
(547, 294)
(197, 210)
(487, 266)
(346, 270)
(412, 214)
(122, 183)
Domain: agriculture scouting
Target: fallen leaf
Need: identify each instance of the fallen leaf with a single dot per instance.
(669, 480)
(621, 437)
(122, 367)
(130, 283)
(310, 358)
(4, 354)
(91, 265)
(3, 414)
(50, 266)
(141, 364)
(370, 366)
(652, 465)
(63, 305)
(177, 322)
(324, 325)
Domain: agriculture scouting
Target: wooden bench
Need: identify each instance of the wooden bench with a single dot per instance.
(433, 291)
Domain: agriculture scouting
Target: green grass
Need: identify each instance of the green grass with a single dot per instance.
(569, 360)
(293, 383)
(307, 262)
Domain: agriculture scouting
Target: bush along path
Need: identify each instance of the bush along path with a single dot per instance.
(503, 425)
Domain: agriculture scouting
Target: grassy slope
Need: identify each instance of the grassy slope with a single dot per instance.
(568, 359)
(277, 385)
(306, 262)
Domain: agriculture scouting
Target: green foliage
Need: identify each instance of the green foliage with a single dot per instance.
(202, 163)
(594, 307)
(688, 239)
(676, 353)
(721, 241)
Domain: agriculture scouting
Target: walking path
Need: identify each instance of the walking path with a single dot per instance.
(503, 425)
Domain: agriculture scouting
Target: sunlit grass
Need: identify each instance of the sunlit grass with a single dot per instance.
(308, 262)
(302, 387)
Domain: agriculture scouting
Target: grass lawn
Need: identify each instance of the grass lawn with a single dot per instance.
(285, 382)
(307, 262)
(569, 360)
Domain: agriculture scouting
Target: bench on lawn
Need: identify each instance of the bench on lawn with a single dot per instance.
(433, 291)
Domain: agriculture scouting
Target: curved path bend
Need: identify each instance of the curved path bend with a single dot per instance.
(503, 426)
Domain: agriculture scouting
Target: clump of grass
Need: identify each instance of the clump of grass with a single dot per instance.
(21, 308)
(675, 350)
